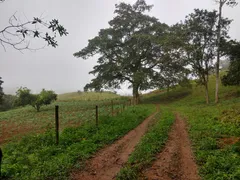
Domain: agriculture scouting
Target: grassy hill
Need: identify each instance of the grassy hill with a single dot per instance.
(87, 96)
(214, 129)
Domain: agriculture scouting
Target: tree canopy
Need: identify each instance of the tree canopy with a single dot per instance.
(221, 4)
(233, 76)
(25, 97)
(130, 49)
(138, 49)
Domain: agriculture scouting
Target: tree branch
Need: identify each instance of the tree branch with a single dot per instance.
(19, 34)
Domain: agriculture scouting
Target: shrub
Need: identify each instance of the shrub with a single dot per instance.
(24, 97)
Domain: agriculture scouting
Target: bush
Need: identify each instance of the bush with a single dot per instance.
(24, 97)
(8, 102)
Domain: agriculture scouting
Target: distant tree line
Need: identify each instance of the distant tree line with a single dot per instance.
(138, 49)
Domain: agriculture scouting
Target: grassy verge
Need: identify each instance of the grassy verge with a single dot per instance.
(214, 131)
(216, 144)
(151, 143)
(37, 157)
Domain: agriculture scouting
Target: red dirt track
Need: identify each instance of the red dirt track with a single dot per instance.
(107, 162)
(176, 161)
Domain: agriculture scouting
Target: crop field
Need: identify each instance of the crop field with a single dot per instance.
(21, 121)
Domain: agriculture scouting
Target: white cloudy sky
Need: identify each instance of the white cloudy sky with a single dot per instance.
(57, 69)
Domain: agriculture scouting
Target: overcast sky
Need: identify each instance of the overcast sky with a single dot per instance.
(57, 69)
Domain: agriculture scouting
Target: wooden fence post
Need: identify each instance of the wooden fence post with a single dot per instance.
(1, 155)
(97, 116)
(57, 123)
(112, 106)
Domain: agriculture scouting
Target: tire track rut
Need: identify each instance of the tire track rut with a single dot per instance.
(107, 162)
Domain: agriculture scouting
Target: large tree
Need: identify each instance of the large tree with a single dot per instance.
(129, 49)
(201, 36)
(221, 3)
(19, 33)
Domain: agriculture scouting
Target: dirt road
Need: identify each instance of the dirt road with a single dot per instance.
(107, 162)
(176, 161)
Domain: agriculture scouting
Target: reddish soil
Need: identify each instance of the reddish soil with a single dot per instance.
(228, 141)
(9, 130)
(107, 162)
(176, 161)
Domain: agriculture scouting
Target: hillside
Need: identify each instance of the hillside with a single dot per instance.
(214, 129)
(87, 96)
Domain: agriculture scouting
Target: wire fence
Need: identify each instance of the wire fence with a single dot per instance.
(105, 108)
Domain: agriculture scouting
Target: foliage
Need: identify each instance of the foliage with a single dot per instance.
(1, 91)
(220, 27)
(172, 67)
(37, 157)
(8, 102)
(186, 83)
(150, 144)
(44, 98)
(18, 33)
(24, 97)
(201, 36)
(233, 76)
(129, 49)
(231, 115)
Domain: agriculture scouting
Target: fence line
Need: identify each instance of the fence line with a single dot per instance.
(121, 109)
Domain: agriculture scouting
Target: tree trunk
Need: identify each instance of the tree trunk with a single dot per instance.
(168, 89)
(207, 94)
(218, 50)
(38, 108)
(135, 94)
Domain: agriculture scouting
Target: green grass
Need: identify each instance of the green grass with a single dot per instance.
(209, 126)
(165, 98)
(150, 145)
(37, 157)
(206, 133)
